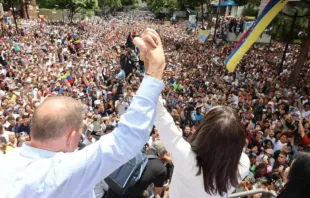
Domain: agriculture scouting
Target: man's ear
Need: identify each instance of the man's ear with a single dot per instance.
(70, 138)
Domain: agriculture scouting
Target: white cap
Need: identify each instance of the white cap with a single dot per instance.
(97, 102)
(91, 127)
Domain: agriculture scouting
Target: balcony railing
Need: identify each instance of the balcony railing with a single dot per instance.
(265, 194)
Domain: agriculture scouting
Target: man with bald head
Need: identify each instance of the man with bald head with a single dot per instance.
(48, 167)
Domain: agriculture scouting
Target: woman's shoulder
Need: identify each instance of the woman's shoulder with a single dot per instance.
(244, 165)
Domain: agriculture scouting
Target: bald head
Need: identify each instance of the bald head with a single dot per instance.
(56, 117)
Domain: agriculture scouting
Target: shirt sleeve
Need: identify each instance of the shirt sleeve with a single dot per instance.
(83, 169)
(171, 137)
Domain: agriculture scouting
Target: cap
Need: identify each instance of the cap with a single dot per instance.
(260, 132)
(52, 82)
(269, 151)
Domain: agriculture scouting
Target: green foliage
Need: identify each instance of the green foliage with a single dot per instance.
(250, 10)
(136, 5)
(282, 24)
(74, 6)
(241, 2)
(157, 5)
(110, 3)
(67, 4)
(130, 2)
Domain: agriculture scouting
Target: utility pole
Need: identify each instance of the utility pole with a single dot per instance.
(217, 18)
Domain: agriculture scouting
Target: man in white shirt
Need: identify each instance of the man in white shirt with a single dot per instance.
(280, 143)
(89, 139)
(48, 166)
(4, 133)
(306, 112)
(121, 105)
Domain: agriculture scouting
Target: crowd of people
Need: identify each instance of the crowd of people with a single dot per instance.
(96, 63)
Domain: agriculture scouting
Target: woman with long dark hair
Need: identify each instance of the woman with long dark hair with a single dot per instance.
(298, 180)
(212, 163)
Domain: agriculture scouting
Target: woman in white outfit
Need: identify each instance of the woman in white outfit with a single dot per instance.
(212, 164)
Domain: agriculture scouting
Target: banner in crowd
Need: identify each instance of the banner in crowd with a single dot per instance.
(250, 36)
(203, 35)
(192, 21)
(111, 37)
(113, 24)
(132, 24)
(247, 25)
(167, 22)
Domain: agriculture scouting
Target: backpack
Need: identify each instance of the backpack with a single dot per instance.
(128, 174)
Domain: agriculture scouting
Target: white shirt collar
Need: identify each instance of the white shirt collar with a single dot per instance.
(31, 152)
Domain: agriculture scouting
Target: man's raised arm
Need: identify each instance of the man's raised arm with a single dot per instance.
(100, 159)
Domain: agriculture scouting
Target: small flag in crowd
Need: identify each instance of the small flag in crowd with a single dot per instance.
(250, 36)
(203, 35)
(133, 23)
(156, 28)
(77, 44)
(113, 24)
(112, 37)
(67, 77)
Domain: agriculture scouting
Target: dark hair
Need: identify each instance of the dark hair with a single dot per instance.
(218, 144)
(266, 142)
(298, 178)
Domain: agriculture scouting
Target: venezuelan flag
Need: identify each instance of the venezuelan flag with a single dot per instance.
(156, 28)
(65, 76)
(203, 35)
(112, 37)
(249, 37)
(69, 79)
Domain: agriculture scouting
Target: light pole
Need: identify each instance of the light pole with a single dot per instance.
(217, 18)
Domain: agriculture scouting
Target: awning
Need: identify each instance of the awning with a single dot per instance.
(224, 3)
(191, 12)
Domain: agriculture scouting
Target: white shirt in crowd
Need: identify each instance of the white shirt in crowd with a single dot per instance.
(122, 107)
(89, 142)
(185, 183)
(278, 146)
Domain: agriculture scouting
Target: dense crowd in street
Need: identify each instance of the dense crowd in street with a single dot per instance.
(97, 63)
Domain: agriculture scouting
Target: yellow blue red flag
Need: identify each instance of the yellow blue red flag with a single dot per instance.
(203, 35)
(250, 36)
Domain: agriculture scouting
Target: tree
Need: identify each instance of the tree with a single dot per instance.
(157, 5)
(129, 2)
(109, 3)
(241, 2)
(26, 8)
(281, 25)
(250, 10)
(303, 52)
(74, 6)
